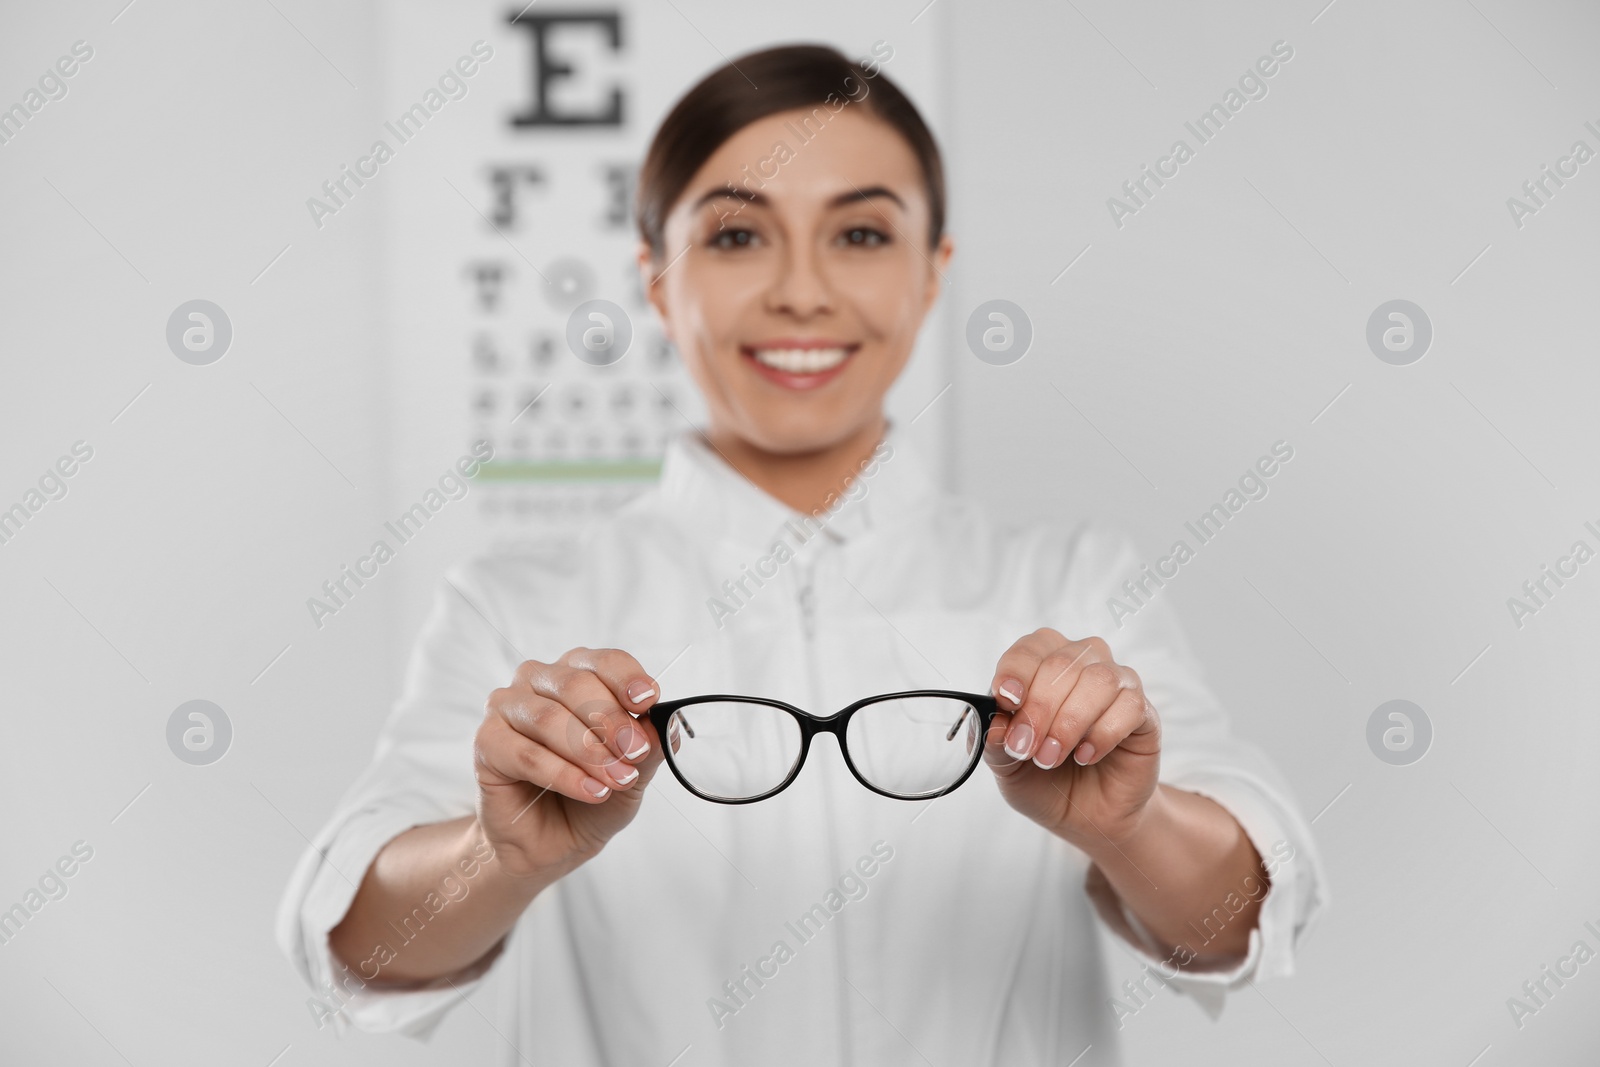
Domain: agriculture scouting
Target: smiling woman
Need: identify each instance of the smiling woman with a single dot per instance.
(794, 299)
(793, 277)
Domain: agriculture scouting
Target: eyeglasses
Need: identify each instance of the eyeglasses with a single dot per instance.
(909, 746)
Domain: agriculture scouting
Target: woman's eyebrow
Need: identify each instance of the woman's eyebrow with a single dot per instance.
(730, 193)
(857, 195)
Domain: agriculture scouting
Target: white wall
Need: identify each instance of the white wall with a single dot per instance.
(1219, 319)
(189, 542)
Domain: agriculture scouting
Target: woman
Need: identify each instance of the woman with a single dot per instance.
(792, 242)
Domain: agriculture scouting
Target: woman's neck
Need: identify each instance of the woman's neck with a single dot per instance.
(801, 480)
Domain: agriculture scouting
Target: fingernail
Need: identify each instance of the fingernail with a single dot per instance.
(638, 691)
(1084, 754)
(1012, 691)
(633, 742)
(621, 773)
(1049, 754)
(1018, 740)
(595, 787)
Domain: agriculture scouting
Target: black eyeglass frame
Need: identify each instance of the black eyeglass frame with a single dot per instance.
(811, 725)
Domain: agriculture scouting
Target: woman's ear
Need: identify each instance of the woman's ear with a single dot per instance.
(650, 283)
(938, 265)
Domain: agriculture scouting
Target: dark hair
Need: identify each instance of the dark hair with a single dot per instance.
(789, 77)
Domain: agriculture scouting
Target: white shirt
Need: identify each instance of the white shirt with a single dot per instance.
(873, 929)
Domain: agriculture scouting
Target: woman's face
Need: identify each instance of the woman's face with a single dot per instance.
(795, 305)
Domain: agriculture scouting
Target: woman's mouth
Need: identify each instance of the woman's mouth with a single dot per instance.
(796, 364)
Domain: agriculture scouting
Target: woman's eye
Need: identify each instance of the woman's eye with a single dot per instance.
(864, 237)
(731, 239)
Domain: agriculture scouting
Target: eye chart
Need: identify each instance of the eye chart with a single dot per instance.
(514, 135)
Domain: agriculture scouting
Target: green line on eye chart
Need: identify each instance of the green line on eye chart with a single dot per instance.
(599, 470)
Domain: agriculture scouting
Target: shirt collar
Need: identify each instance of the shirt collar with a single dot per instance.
(698, 482)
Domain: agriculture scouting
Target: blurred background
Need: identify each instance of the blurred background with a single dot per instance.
(357, 341)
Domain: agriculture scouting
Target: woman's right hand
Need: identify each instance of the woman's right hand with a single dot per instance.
(560, 761)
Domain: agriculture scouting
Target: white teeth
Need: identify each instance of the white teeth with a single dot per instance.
(802, 360)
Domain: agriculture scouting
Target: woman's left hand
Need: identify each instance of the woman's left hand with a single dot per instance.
(1076, 746)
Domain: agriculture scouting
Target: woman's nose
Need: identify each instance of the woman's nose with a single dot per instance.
(801, 287)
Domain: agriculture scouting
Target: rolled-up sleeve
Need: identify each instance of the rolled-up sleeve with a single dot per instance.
(1201, 755)
(421, 773)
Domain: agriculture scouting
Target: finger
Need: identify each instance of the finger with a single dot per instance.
(1019, 663)
(1129, 714)
(635, 690)
(994, 749)
(1055, 677)
(596, 706)
(504, 756)
(573, 734)
(1094, 690)
(622, 674)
